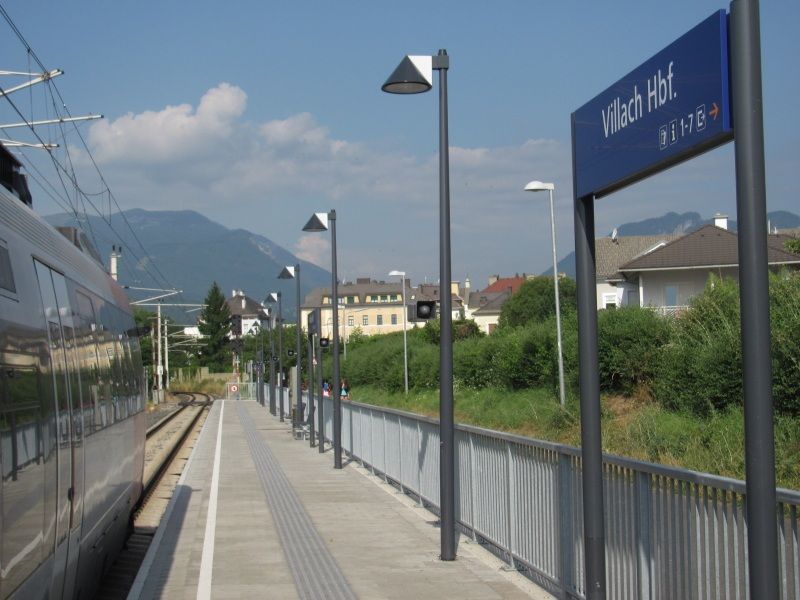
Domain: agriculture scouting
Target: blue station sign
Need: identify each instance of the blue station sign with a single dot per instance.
(669, 109)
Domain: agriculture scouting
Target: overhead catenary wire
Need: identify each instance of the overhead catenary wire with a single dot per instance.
(82, 195)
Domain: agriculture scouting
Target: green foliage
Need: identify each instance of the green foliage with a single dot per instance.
(784, 299)
(356, 337)
(629, 342)
(690, 364)
(215, 328)
(700, 370)
(793, 246)
(535, 301)
(525, 357)
(463, 329)
(431, 331)
(471, 367)
(145, 318)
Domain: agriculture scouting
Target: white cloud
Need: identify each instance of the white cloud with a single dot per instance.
(269, 177)
(172, 134)
(314, 248)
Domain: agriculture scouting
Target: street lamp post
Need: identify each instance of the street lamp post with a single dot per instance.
(402, 275)
(272, 408)
(538, 186)
(294, 273)
(414, 75)
(279, 323)
(322, 222)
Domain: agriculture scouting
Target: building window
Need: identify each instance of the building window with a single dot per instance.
(365, 320)
(394, 319)
(351, 321)
(609, 301)
(380, 319)
(384, 298)
(351, 300)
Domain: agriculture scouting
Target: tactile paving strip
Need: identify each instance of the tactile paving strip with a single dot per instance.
(315, 572)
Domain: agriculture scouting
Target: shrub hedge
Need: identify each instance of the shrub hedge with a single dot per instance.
(691, 363)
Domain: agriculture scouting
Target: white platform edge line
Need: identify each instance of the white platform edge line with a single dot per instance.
(207, 561)
(144, 570)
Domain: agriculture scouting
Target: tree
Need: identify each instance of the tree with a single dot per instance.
(215, 327)
(793, 245)
(145, 319)
(535, 301)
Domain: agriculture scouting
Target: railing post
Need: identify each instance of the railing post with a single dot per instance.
(472, 486)
(566, 523)
(511, 502)
(419, 466)
(644, 517)
(385, 459)
(400, 453)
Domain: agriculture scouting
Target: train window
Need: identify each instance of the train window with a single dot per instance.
(88, 364)
(23, 473)
(6, 275)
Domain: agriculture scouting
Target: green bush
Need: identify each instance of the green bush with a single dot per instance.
(471, 366)
(785, 326)
(629, 341)
(423, 366)
(534, 302)
(701, 369)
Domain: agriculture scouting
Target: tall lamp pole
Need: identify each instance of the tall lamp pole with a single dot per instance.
(538, 186)
(294, 273)
(402, 275)
(414, 75)
(323, 222)
(279, 323)
(272, 407)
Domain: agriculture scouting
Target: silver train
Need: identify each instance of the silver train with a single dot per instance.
(72, 421)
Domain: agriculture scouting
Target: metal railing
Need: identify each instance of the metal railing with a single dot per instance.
(670, 533)
(244, 390)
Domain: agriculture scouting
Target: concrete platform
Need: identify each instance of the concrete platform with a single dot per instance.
(258, 514)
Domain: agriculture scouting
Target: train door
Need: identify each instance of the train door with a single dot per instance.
(70, 328)
(49, 282)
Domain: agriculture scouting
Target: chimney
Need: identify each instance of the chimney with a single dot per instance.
(721, 221)
(112, 262)
(454, 288)
(493, 279)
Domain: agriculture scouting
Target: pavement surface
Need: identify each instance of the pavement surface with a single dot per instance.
(258, 514)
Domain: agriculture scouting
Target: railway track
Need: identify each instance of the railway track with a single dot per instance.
(167, 447)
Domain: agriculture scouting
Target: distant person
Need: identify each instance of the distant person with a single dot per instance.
(344, 394)
(326, 389)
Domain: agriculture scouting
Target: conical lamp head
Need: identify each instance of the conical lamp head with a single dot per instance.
(319, 222)
(412, 76)
(286, 273)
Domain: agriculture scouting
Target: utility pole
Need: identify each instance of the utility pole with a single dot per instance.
(159, 368)
(166, 353)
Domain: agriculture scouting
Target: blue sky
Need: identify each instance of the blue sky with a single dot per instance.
(257, 114)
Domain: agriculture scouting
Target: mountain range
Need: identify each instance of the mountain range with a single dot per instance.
(187, 250)
(190, 251)
(672, 223)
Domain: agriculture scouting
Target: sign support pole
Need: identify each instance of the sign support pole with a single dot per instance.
(591, 446)
(751, 209)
